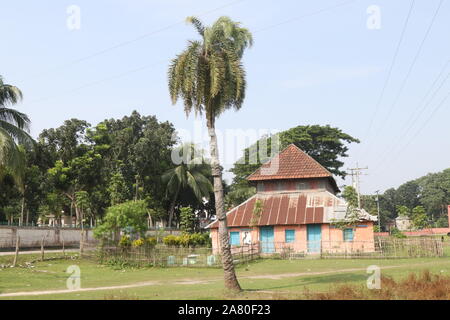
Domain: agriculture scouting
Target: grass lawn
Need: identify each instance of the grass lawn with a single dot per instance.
(261, 279)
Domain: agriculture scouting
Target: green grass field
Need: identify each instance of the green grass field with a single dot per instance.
(265, 279)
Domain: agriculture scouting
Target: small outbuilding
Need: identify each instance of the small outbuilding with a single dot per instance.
(295, 208)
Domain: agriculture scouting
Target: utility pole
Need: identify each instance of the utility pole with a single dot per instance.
(356, 173)
(378, 209)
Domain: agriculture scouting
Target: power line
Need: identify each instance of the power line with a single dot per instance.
(356, 173)
(435, 110)
(422, 110)
(306, 15)
(127, 42)
(391, 67)
(411, 67)
(90, 84)
(93, 83)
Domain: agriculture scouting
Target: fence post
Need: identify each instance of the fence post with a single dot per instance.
(17, 250)
(81, 243)
(63, 247)
(42, 248)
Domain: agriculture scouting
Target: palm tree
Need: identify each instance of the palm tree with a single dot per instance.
(208, 75)
(190, 173)
(14, 128)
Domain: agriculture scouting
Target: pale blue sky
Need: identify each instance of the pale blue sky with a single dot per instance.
(313, 62)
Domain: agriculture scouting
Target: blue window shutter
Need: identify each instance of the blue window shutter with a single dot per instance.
(289, 236)
(348, 234)
(235, 238)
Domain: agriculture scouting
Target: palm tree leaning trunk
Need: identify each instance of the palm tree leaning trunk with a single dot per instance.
(172, 207)
(210, 79)
(227, 258)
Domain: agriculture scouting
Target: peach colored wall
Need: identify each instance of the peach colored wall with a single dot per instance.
(332, 238)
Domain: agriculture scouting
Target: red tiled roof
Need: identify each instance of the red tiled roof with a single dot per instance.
(291, 163)
(277, 209)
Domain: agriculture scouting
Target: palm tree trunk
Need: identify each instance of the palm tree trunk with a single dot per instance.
(231, 281)
(22, 210)
(172, 207)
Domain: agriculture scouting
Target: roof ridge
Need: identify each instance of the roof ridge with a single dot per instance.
(303, 166)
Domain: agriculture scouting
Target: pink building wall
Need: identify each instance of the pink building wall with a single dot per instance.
(332, 238)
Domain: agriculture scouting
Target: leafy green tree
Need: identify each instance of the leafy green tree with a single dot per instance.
(83, 204)
(408, 194)
(419, 218)
(352, 216)
(351, 196)
(51, 205)
(403, 211)
(118, 189)
(14, 128)
(128, 217)
(187, 220)
(208, 75)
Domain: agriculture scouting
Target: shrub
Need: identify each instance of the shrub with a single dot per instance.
(171, 241)
(150, 242)
(130, 215)
(185, 240)
(188, 240)
(138, 243)
(125, 241)
(397, 233)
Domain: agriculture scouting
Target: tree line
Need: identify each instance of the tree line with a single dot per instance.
(80, 170)
(423, 200)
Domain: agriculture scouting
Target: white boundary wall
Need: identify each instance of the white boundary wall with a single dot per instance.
(31, 237)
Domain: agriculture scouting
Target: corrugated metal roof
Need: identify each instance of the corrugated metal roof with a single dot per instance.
(289, 208)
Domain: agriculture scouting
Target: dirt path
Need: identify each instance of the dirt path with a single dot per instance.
(192, 282)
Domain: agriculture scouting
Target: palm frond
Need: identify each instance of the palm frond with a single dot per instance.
(19, 119)
(197, 24)
(19, 135)
(9, 94)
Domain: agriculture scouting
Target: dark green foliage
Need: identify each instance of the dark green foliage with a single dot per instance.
(129, 217)
(397, 233)
(110, 163)
(187, 220)
(431, 193)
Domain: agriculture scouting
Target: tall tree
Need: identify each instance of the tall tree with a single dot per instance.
(14, 128)
(208, 75)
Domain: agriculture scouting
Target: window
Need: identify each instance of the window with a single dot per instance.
(260, 187)
(302, 186)
(235, 238)
(289, 236)
(348, 234)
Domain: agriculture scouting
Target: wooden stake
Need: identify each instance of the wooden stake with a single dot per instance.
(16, 256)
(42, 249)
(81, 243)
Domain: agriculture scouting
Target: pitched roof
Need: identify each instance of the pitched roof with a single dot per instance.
(294, 208)
(291, 163)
